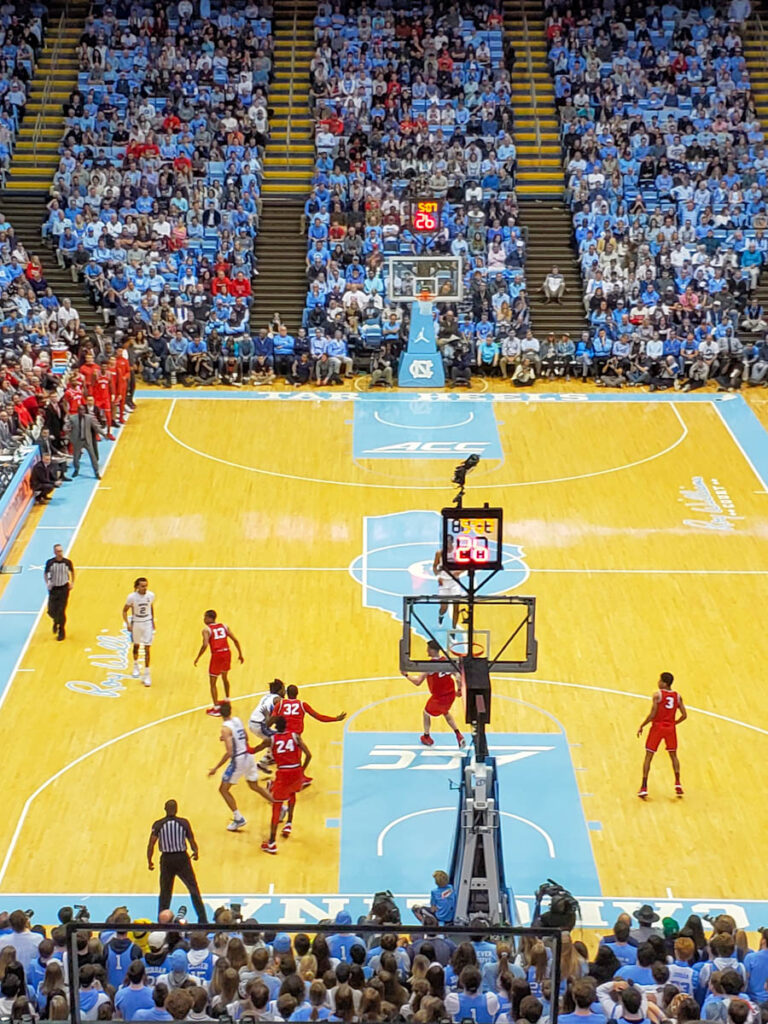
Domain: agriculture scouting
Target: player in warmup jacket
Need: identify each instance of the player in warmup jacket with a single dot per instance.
(217, 636)
(241, 764)
(294, 710)
(262, 715)
(141, 605)
(667, 712)
(287, 748)
(443, 689)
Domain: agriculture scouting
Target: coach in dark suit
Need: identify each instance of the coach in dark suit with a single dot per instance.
(86, 428)
(172, 834)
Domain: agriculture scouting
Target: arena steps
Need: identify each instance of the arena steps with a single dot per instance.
(36, 156)
(289, 159)
(26, 211)
(539, 161)
(281, 250)
(549, 243)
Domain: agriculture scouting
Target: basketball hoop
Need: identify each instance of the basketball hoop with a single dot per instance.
(459, 649)
(425, 296)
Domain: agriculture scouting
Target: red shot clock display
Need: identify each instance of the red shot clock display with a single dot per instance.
(425, 215)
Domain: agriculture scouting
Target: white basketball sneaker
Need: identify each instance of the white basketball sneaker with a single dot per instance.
(135, 672)
(147, 678)
(236, 824)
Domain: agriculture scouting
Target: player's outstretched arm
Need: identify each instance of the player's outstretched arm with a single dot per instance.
(323, 718)
(307, 752)
(683, 712)
(226, 738)
(651, 714)
(417, 680)
(236, 642)
(206, 640)
(126, 609)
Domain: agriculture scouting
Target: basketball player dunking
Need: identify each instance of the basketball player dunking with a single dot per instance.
(664, 719)
(444, 688)
(217, 636)
(287, 748)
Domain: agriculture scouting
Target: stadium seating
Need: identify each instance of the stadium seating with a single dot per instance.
(666, 170)
(404, 108)
(156, 201)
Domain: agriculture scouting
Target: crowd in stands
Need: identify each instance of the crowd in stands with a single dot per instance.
(640, 973)
(155, 205)
(666, 178)
(410, 102)
(22, 27)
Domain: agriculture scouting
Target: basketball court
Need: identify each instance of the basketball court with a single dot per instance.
(639, 522)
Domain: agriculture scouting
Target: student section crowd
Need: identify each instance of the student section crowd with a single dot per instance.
(643, 972)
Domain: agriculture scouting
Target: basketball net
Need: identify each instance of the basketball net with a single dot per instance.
(425, 301)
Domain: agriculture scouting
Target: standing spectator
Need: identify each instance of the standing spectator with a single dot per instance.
(23, 940)
(59, 575)
(135, 994)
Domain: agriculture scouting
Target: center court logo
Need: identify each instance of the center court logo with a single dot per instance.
(113, 656)
(396, 561)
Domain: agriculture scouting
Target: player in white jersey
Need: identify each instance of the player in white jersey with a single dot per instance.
(259, 722)
(241, 764)
(141, 605)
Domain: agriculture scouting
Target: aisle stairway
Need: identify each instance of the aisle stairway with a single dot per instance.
(539, 168)
(35, 156)
(281, 251)
(549, 243)
(756, 55)
(289, 158)
(26, 212)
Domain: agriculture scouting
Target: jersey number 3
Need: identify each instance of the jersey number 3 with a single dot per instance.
(669, 702)
(291, 708)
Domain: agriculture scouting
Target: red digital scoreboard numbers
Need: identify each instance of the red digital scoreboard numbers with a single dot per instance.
(425, 215)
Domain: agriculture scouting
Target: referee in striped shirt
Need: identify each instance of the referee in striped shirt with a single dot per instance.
(172, 834)
(59, 576)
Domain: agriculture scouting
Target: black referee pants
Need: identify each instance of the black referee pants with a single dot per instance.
(178, 865)
(57, 605)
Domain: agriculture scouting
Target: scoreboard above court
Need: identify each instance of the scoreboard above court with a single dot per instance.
(425, 215)
(472, 538)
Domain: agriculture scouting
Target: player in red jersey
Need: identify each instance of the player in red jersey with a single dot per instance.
(667, 712)
(123, 367)
(287, 748)
(102, 396)
(444, 688)
(293, 711)
(217, 636)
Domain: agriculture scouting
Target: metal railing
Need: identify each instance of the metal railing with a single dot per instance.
(289, 119)
(55, 54)
(531, 80)
(496, 933)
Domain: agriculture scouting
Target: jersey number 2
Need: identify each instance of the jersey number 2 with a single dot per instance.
(281, 746)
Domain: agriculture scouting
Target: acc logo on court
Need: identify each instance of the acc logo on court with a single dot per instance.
(392, 757)
(398, 551)
(407, 448)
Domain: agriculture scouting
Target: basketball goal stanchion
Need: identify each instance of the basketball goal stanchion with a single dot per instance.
(471, 555)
